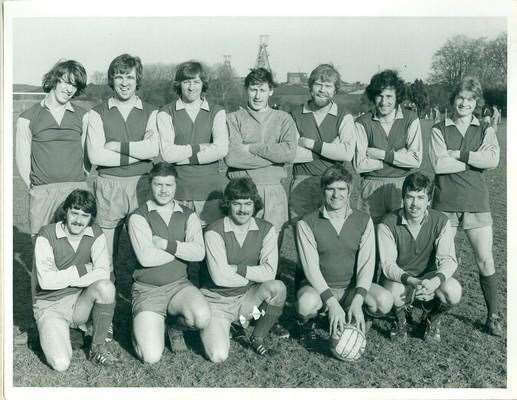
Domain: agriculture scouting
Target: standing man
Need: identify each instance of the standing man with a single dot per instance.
(337, 252)
(165, 237)
(242, 259)
(389, 145)
(122, 140)
(194, 137)
(71, 283)
(326, 137)
(262, 140)
(416, 251)
(461, 149)
(50, 143)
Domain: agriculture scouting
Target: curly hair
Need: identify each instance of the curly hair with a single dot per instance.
(325, 73)
(387, 79)
(80, 200)
(240, 189)
(72, 69)
(189, 70)
(471, 84)
(123, 64)
(258, 76)
(416, 182)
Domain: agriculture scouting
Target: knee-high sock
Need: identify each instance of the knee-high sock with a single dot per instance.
(102, 315)
(489, 288)
(266, 321)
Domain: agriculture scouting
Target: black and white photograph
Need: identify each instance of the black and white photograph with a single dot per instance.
(257, 197)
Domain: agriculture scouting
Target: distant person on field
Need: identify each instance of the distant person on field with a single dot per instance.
(194, 137)
(50, 143)
(461, 149)
(122, 140)
(165, 237)
(262, 140)
(72, 283)
(337, 250)
(389, 145)
(239, 279)
(418, 258)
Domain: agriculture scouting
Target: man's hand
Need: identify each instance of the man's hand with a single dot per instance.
(306, 142)
(113, 146)
(427, 289)
(375, 153)
(355, 312)
(159, 242)
(337, 317)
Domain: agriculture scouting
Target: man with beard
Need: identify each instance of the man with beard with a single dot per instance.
(50, 143)
(122, 140)
(165, 237)
(389, 145)
(417, 255)
(71, 283)
(239, 281)
(194, 137)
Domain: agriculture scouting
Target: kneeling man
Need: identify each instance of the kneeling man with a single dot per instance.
(165, 237)
(242, 260)
(337, 251)
(418, 258)
(71, 282)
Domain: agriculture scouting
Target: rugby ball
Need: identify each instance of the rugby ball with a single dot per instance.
(348, 345)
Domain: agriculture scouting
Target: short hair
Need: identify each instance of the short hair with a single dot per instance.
(81, 200)
(61, 68)
(333, 174)
(239, 189)
(162, 169)
(387, 79)
(471, 84)
(258, 76)
(325, 73)
(417, 182)
(188, 70)
(123, 64)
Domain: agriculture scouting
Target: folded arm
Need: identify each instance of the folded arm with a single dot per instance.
(282, 151)
(361, 162)
(366, 260)
(487, 156)
(441, 159)
(267, 268)
(23, 149)
(170, 152)
(388, 254)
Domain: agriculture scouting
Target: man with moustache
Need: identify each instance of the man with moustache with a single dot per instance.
(326, 137)
(239, 280)
(50, 143)
(71, 283)
(194, 137)
(262, 140)
(336, 245)
(389, 145)
(121, 141)
(165, 237)
(417, 255)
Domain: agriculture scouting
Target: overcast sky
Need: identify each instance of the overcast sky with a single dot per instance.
(358, 46)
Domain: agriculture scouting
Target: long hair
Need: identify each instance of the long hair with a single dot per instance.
(72, 69)
(81, 200)
(240, 189)
(471, 84)
(189, 70)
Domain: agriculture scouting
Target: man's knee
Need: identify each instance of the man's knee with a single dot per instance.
(451, 291)
(59, 363)
(383, 301)
(198, 317)
(104, 291)
(217, 355)
(396, 290)
(277, 291)
(309, 302)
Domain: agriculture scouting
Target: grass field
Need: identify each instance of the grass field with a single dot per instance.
(466, 358)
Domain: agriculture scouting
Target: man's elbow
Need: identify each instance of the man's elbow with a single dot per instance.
(199, 254)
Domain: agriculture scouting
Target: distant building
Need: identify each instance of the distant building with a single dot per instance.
(296, 78)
